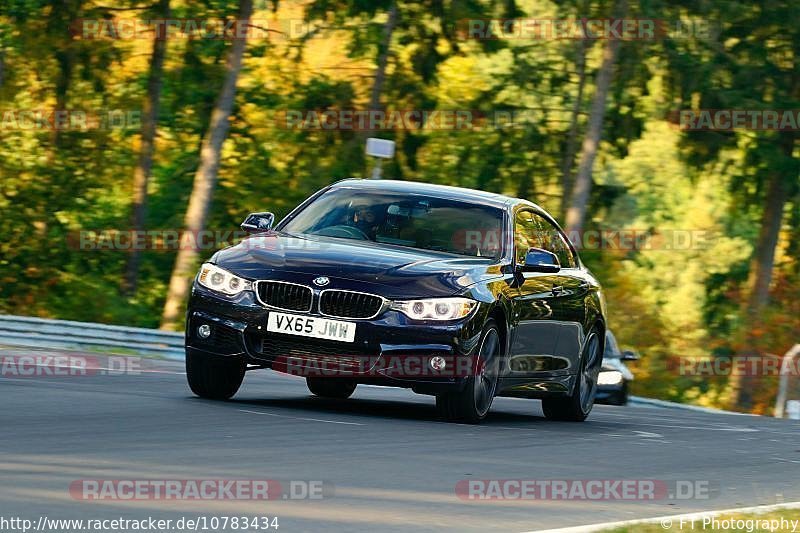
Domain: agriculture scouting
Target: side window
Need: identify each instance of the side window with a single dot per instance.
(564, 253)
(553, 241)
(526, 234)
(534, 231)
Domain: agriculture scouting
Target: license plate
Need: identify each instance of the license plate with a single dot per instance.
(306, 326)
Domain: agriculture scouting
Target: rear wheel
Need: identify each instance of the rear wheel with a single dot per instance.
(577, 406)
(472, 403)
(331, 387)
(213, 376)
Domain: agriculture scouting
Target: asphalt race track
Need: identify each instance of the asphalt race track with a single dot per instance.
(385, 461)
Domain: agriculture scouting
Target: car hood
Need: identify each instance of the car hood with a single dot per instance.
(388, 270)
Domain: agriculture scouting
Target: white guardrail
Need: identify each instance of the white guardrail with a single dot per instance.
(68, 335)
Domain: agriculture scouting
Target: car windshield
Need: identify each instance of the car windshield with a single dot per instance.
(415, 221)
(612, 349)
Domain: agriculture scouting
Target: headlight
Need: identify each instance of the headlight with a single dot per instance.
(214, 278)
(435, 308)
(613, 377)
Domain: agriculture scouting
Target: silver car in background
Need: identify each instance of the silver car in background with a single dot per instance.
(612, 384)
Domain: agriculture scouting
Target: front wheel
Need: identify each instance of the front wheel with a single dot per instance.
(213, 376)
(472, 403)
(577, 406)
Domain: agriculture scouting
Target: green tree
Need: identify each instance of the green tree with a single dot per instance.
(205, 179)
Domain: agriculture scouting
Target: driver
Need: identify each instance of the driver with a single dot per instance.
(365, 218)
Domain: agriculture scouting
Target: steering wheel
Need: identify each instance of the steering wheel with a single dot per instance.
(347, 232)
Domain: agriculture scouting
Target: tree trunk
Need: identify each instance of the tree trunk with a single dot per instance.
(572, 136)
(141, 175)
(204, 181)
(764, 255)
(358, 140)
(63, 13)
(576, 213)
(63, 78)
(383, 58)
(760, 276)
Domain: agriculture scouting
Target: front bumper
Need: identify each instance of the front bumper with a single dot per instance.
(388, 350)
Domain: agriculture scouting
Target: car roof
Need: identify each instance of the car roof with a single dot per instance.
(444, 191)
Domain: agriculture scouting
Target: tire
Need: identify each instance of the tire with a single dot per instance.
(339, 389)
(214, 377)
(577, 406)
(472, 403)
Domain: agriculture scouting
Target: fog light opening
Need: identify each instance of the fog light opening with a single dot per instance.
(204, 331)
(437, 363)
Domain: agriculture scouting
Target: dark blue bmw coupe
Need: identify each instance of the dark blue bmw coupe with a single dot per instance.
(460, 294)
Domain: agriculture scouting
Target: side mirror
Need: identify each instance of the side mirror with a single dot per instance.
(538, 260)
(258, 222)
(629, 355)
